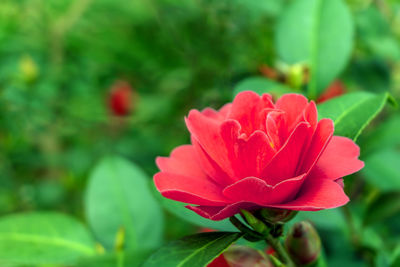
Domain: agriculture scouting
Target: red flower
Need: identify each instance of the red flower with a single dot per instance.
(254, 153)
(120, 100)
(336, 89)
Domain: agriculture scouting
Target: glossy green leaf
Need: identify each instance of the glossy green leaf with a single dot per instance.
(43, 238)
(261, 85)
(396, 262)
(382, 208)
(179, 210)
(192, 251)
(118, 197)
(320, 33)
(352, 112)
(396, 257)
(120, 259)
(382, 170)
(386, 135)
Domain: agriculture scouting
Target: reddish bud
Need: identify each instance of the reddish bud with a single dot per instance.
(121, 97)
(303, 243)
(269, 72)
(240, 256)
(335, 89)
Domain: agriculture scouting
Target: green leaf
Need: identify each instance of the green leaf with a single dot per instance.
(193, 251)
(261, 85)
(43, 238)
(120, 259)
(396, 262)
(118, 196)
(179, 210)
(382, 208)
(352, 112)
(320, 33)
(386, 135)
(382, 170)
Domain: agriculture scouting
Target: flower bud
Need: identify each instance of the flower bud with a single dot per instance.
(121, 98)
(297, 75)
(303, 243)
(28, 69)
(275, 216)
(241, 256)
(254, 222)
(336, 89)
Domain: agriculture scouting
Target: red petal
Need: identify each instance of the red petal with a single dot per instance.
(293, 105)
(255, 190)
(206, 132)
(283, 166)
(311, 114)
(319, 141)
(182, 161)
(222, 212)
(255, 153)
(317, 195)
(247, 157)
(188, 189)
(276, 128)
(246, 109)
(210, 167)
(219, 115)
(220, 261)
(339, 159)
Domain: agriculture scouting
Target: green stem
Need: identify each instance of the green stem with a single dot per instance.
(244, 229)
(120, 259)
(280, 250)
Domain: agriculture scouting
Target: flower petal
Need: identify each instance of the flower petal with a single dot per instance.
(339, 159)
(317, 195)
(255, 190)
(210, 167)
(284, 164)
(182, 161)
(247, 157)
(310, 114)
(293, 105)
(206, 132)
(319, 141)
(246, 109)
(221, 212)
(219, 115)
(189, 189)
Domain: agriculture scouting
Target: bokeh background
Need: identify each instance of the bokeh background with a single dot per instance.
(61, 61)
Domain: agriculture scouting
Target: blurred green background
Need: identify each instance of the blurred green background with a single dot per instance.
(59, 60)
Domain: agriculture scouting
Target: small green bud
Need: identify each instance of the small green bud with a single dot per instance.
(28, 68)
(120, 239)
(303, 243)
(254, 222)
(297, 75)
(275, 216)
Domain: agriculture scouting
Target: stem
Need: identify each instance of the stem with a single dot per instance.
(244, 229)
(120, 259)
(280, 250)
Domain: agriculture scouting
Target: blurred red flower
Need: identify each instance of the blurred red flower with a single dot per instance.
(120, 99)
(254, 153)
(337, 88)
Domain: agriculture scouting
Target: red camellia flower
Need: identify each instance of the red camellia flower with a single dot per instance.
(254, 153)
(337, 88)
(120, 100)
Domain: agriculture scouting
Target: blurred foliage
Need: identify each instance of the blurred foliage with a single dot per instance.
(60, 59)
